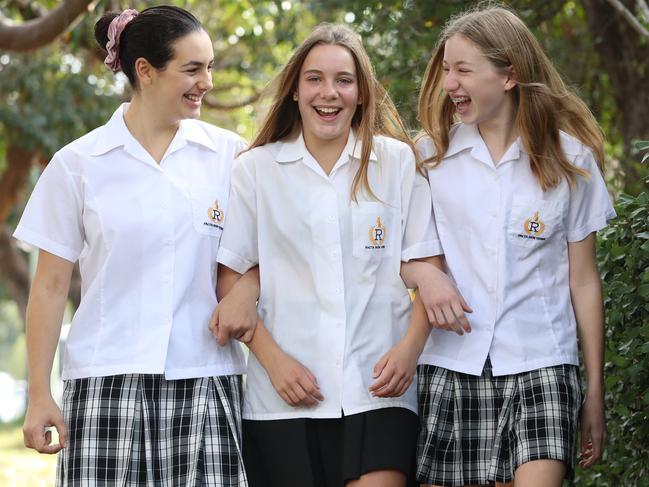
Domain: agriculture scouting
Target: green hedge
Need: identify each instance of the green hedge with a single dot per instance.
(623, 255)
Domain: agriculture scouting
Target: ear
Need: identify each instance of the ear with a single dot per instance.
(295, 95)
(144, 72)
(511, 78)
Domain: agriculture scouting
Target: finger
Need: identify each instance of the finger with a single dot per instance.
(45, 446)
(380, 365)
(383, 380)
(439, 318)
(62, 431)
(460, 317)
(214, 323)
(451, 320)
(293, 400)
(432, 320)
(389, 389)
(465, 307)
(247, 336)
(222, 336)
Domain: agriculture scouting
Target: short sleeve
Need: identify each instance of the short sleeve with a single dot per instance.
(420, 237)
(590, 205)
(52, 219)
(238, 249)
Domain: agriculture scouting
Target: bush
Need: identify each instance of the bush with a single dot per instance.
(623, 255)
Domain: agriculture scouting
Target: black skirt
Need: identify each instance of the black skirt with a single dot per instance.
(307, 452)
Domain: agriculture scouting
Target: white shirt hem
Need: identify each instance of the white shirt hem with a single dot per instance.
(326, 414)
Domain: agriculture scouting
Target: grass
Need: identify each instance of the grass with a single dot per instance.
(20, 466)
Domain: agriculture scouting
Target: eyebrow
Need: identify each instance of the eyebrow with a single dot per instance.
(458, 63)
(339, 73)
(195, 63)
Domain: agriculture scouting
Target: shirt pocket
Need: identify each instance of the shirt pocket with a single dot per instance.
(535, 224)
(209, 211)
(376, 230)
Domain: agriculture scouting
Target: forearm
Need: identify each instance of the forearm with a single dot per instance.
(45, 310)
(247, 283)
(416, 271)
(418, 328)
(263, 345)
(587, 304)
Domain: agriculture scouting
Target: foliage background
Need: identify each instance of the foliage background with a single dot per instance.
(53, 94)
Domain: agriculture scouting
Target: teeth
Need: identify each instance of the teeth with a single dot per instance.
(461, 99)
(193, 97)
(328, 110)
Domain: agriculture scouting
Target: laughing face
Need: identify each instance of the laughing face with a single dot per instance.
(476, 87)
(327, 94)
(181, 85)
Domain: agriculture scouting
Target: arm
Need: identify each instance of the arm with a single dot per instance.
(236, 314)
(443, 303)
(395, 370)
(45, 309)
(586, 295)
(296, 385)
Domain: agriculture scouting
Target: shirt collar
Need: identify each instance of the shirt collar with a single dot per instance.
(115, 134)
(467, 136)
(295, 150)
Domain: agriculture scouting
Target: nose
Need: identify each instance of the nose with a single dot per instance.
(205, 82)
(328, 89)
(450, 82)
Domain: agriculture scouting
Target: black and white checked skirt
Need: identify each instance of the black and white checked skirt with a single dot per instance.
(477, 430)
(143, 430)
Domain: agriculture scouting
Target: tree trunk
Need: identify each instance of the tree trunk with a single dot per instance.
(624, 55)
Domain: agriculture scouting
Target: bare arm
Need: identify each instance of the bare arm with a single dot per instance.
(586, 295)
(296, 385)
(444, 304)
(45, 308)
(395, 370)
(236, 314)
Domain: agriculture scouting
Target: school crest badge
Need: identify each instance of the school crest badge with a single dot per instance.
(377, 234)
(216, 214)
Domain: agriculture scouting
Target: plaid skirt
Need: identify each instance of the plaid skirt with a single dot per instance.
(140, 429)
(477, 430)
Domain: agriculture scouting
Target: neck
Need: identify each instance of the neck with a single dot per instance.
(325, 152)
(151, 131)
(499, 134)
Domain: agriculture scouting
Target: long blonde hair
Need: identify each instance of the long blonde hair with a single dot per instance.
(544, 104)
(376, 115)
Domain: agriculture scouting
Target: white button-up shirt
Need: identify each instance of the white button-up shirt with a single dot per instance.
(331, 294)
(506, 245)
(146, 237)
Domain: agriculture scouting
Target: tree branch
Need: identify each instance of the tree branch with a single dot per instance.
(14, 270)
(212, 103)
(40, 31)
(643, 8)
(628, 15)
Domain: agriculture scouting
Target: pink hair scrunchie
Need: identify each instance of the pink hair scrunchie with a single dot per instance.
(114, 31)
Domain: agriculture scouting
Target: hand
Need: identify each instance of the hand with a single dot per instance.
(43, 413)
(394, 371)
(593, 430)
(444, 304)
(293, 381)
(234, 317)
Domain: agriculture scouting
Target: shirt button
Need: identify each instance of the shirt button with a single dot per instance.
(332, 218)
(334, 253)
(339, 290)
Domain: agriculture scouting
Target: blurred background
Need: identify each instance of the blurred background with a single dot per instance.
(54, 88)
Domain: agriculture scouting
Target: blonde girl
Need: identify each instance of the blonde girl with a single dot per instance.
(515, 164)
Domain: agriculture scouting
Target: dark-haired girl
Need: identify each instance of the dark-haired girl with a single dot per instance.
(140, 202)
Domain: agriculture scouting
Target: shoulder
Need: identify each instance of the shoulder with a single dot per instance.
(392, 150)
(577, 152)
(219, 136)
(72, 155)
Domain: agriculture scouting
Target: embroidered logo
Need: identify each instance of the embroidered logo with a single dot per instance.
(216, 215)
(533, 228)
(377, 235)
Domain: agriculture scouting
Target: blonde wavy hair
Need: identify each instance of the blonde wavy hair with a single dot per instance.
(376, 115)
(544, 104)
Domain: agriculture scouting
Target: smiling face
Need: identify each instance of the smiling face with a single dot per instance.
(178, 89)
(476, 87)
(327, 94)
